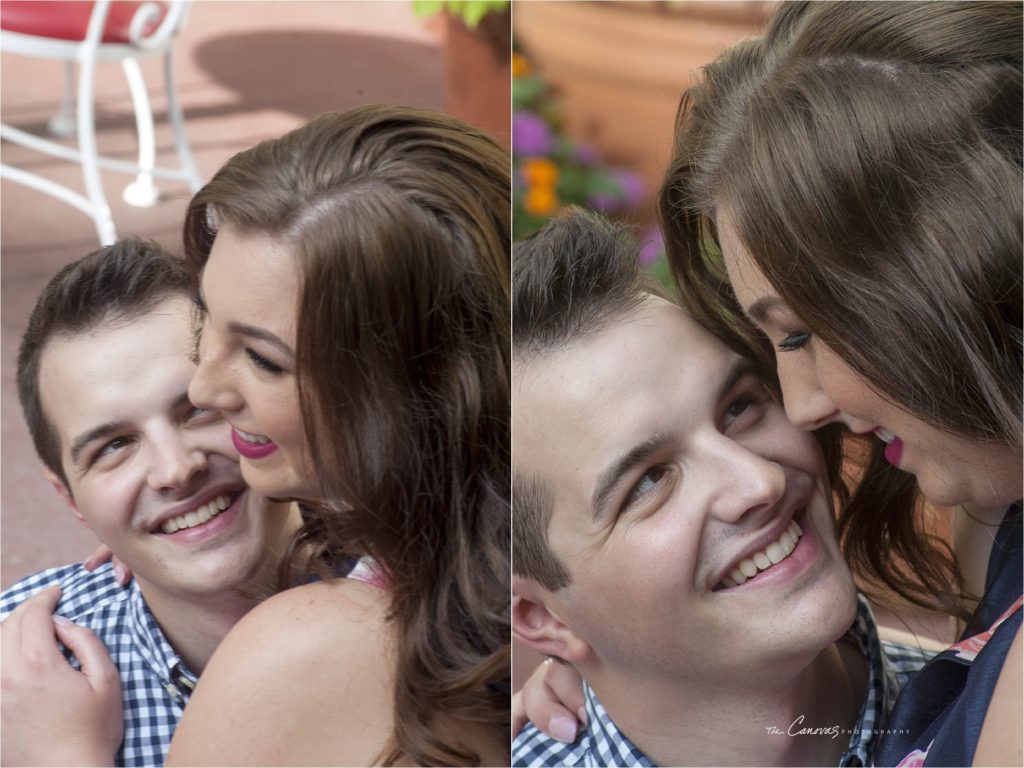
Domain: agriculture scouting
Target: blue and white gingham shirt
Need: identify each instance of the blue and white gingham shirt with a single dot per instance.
(155, 681)
(602, 744)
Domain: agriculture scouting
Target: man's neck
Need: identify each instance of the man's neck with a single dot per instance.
(689, 722)
(194, 624)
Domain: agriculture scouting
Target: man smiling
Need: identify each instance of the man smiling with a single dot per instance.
(674, 535)
(103, 373)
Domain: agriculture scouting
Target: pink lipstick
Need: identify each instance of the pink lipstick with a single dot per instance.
(249, 449)
(894, 452)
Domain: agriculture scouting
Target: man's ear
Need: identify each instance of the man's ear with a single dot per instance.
(62, 490)
(536, 623)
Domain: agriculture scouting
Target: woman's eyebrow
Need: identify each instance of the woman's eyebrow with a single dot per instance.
(739, 368)
(252, 331)
(759, 310)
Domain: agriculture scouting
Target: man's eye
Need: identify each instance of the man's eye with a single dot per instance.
(744, 411)
(738, 406)
(647, 484)
(111, 447)
(794, 341)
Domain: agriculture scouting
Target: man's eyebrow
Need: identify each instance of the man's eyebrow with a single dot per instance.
(258, 333)
(614, 472)
(759, 310)
(88, 437)
(81, 442)
(739, 368)
(640, 453)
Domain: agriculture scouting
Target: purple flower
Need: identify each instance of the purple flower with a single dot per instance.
(585, 154)
(603, 202)
(632, 186)
(652, 245)
(627, 194)
(531, 135)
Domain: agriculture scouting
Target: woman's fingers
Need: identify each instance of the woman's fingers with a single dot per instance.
(28, 633)
(99, 556)
(567, 685)
(53, 714)
(552, 699)
(92, 654)
(102, 554)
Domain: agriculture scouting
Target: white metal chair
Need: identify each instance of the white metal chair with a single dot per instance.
(84, 32)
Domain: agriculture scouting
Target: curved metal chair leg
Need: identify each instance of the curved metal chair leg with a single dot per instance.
(63, 123)
(178, 124)
(141, 193)
(87, 145)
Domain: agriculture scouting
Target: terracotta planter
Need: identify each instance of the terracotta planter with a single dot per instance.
(478, 73)
(622, 67)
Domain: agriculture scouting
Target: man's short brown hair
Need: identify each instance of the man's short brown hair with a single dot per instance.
(569, 281)
(119, 282)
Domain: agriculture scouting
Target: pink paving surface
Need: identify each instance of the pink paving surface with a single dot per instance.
(245, 71)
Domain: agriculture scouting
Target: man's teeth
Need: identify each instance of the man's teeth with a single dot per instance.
(251, 438)
(774, 553)
(885, 435)
(197, 516)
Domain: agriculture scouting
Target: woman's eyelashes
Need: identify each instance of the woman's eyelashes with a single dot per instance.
(197, 338)
(261, 362)
(794, 341)
(198, 320)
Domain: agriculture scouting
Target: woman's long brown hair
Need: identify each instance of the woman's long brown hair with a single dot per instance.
(869, 156)
(401, 222)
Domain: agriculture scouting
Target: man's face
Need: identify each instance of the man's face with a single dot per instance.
(156, 479)
(670, 466)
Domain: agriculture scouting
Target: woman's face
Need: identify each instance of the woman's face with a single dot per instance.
(249, 290)
(819, 388)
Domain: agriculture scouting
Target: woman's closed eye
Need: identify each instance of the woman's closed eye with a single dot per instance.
(197, 338)
(794, 341)
(198, 319)
(261, 362)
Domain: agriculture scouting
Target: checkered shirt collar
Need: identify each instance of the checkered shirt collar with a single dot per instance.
(881, 691)
(155, 651)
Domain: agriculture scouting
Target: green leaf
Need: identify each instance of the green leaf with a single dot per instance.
(471, 12)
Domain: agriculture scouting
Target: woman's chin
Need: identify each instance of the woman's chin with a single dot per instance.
(942, 493)
(277, 481)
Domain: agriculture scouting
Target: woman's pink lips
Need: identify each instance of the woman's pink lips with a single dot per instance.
(251, 450)
(894, 452)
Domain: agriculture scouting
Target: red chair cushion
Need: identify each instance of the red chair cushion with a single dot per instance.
(67, 19)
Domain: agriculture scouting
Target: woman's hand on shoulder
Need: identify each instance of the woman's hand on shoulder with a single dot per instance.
(305, 678)
(552, 699)
(52, 713)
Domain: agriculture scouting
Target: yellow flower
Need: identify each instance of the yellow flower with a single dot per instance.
(540, 172)
(520, 65)
(540, 201)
